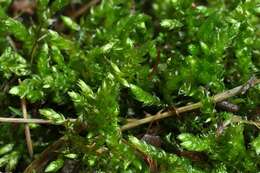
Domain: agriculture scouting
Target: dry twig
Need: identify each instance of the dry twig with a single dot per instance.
(29, 121)
(24, 121)
(26, 128)
(217, 98)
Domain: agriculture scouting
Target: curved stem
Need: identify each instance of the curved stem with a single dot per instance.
(217, 98)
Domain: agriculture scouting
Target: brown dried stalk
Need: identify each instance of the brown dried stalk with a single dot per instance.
(26, 128)
(217, 98)
(28, 121)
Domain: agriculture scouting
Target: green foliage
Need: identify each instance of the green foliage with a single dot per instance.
(10, 160)
(70, 23)
(6, 148)
(256, 145)
(29, 88)
(58, 5)
(123, 59)
(227, 148)
(52, 115)
(13, 63)
(194, 143)
(17, 29)
(93, 108)
(143, 96)
(171, 23)
(170, 162)
(13, 161)
(54, 166)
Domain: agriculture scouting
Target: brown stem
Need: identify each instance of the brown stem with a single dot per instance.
(28, 121)
(24, 121)
(160, 115)
(27, 129)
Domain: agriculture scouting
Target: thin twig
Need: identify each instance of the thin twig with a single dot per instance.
(24, 121)
(28, 121)
(26, 128)
(160, 115)
(84, 8)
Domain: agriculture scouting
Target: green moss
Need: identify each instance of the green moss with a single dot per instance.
(120, 60)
